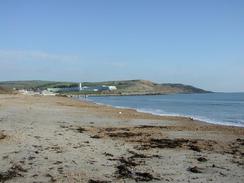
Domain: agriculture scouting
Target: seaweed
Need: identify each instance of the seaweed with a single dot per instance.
(14, 171)
(81, 130)
(123, 134)
(167, 143)
(202, 159)
(2, 135)
(98, 181)
(195, 169)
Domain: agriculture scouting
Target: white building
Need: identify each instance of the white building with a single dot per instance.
(112, 88)
(83, 88)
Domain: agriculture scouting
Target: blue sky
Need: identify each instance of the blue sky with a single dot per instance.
(197, 42)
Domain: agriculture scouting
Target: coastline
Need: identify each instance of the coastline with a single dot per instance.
(133, 94)
(166, 116)
(50, 138)
(191, 117)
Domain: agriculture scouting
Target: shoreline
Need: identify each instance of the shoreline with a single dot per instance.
(199, 119)
(132, 94)
(134, 113)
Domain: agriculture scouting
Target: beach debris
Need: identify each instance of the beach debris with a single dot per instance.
(143, 138)
(108, 154)
(110, 129)
(126, 168)
(14, 171)
(52, 179)
(128, 162)
(98, 181)
(60, 170)
(57, 162)
(195, 169)
(123, 171)
(241, 141)
(115, 129)
(151, 126)
(31, 157)
(239, 162)
(2, 135)
(123, 134)
(120, 112)
(56, 148)
(221, 173)
(195, 148)
(137, 155)
(236, 147)
(75, 128)
(192, 144)
(95, 136)
(201, 159)
(5, 157)
(223, 168)
(64, 125)
(91, 161)
(79, 145)
(167, 143)
(81, 130)
(144, 176)
(37, 137)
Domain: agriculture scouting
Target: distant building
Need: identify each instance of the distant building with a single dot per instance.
(47, 93)
(99, 88)
(80, 86)
(83, 88)
(63, 89)
(112, 87)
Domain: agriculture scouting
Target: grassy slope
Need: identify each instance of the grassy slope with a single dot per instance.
(4, 90)
(34, 84)
(128, 87)
(138, 86)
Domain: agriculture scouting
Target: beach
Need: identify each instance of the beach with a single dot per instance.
(60, 139)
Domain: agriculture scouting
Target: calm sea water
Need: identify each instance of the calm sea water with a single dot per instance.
(218, 108)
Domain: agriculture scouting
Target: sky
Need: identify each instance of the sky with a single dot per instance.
(195, 42)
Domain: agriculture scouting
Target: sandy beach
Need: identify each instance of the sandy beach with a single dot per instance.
(59, 139)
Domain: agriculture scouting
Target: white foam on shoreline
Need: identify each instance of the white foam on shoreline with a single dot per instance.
(198, 118)
(159, 112)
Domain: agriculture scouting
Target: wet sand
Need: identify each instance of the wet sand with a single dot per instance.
(58, 139)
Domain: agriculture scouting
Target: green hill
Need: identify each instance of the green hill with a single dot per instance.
(125, 87)
(34, 84)
(148, 87)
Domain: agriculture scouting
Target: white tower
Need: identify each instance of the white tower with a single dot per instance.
(80, 86)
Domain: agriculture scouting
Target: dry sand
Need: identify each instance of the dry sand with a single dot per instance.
(57, 139)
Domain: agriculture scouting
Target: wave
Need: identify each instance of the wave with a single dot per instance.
(160, 112)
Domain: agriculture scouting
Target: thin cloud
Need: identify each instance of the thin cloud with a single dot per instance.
(19, 55)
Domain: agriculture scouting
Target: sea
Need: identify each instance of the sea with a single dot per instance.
(217, 108)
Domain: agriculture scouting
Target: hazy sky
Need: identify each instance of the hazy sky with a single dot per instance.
(198, 42)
